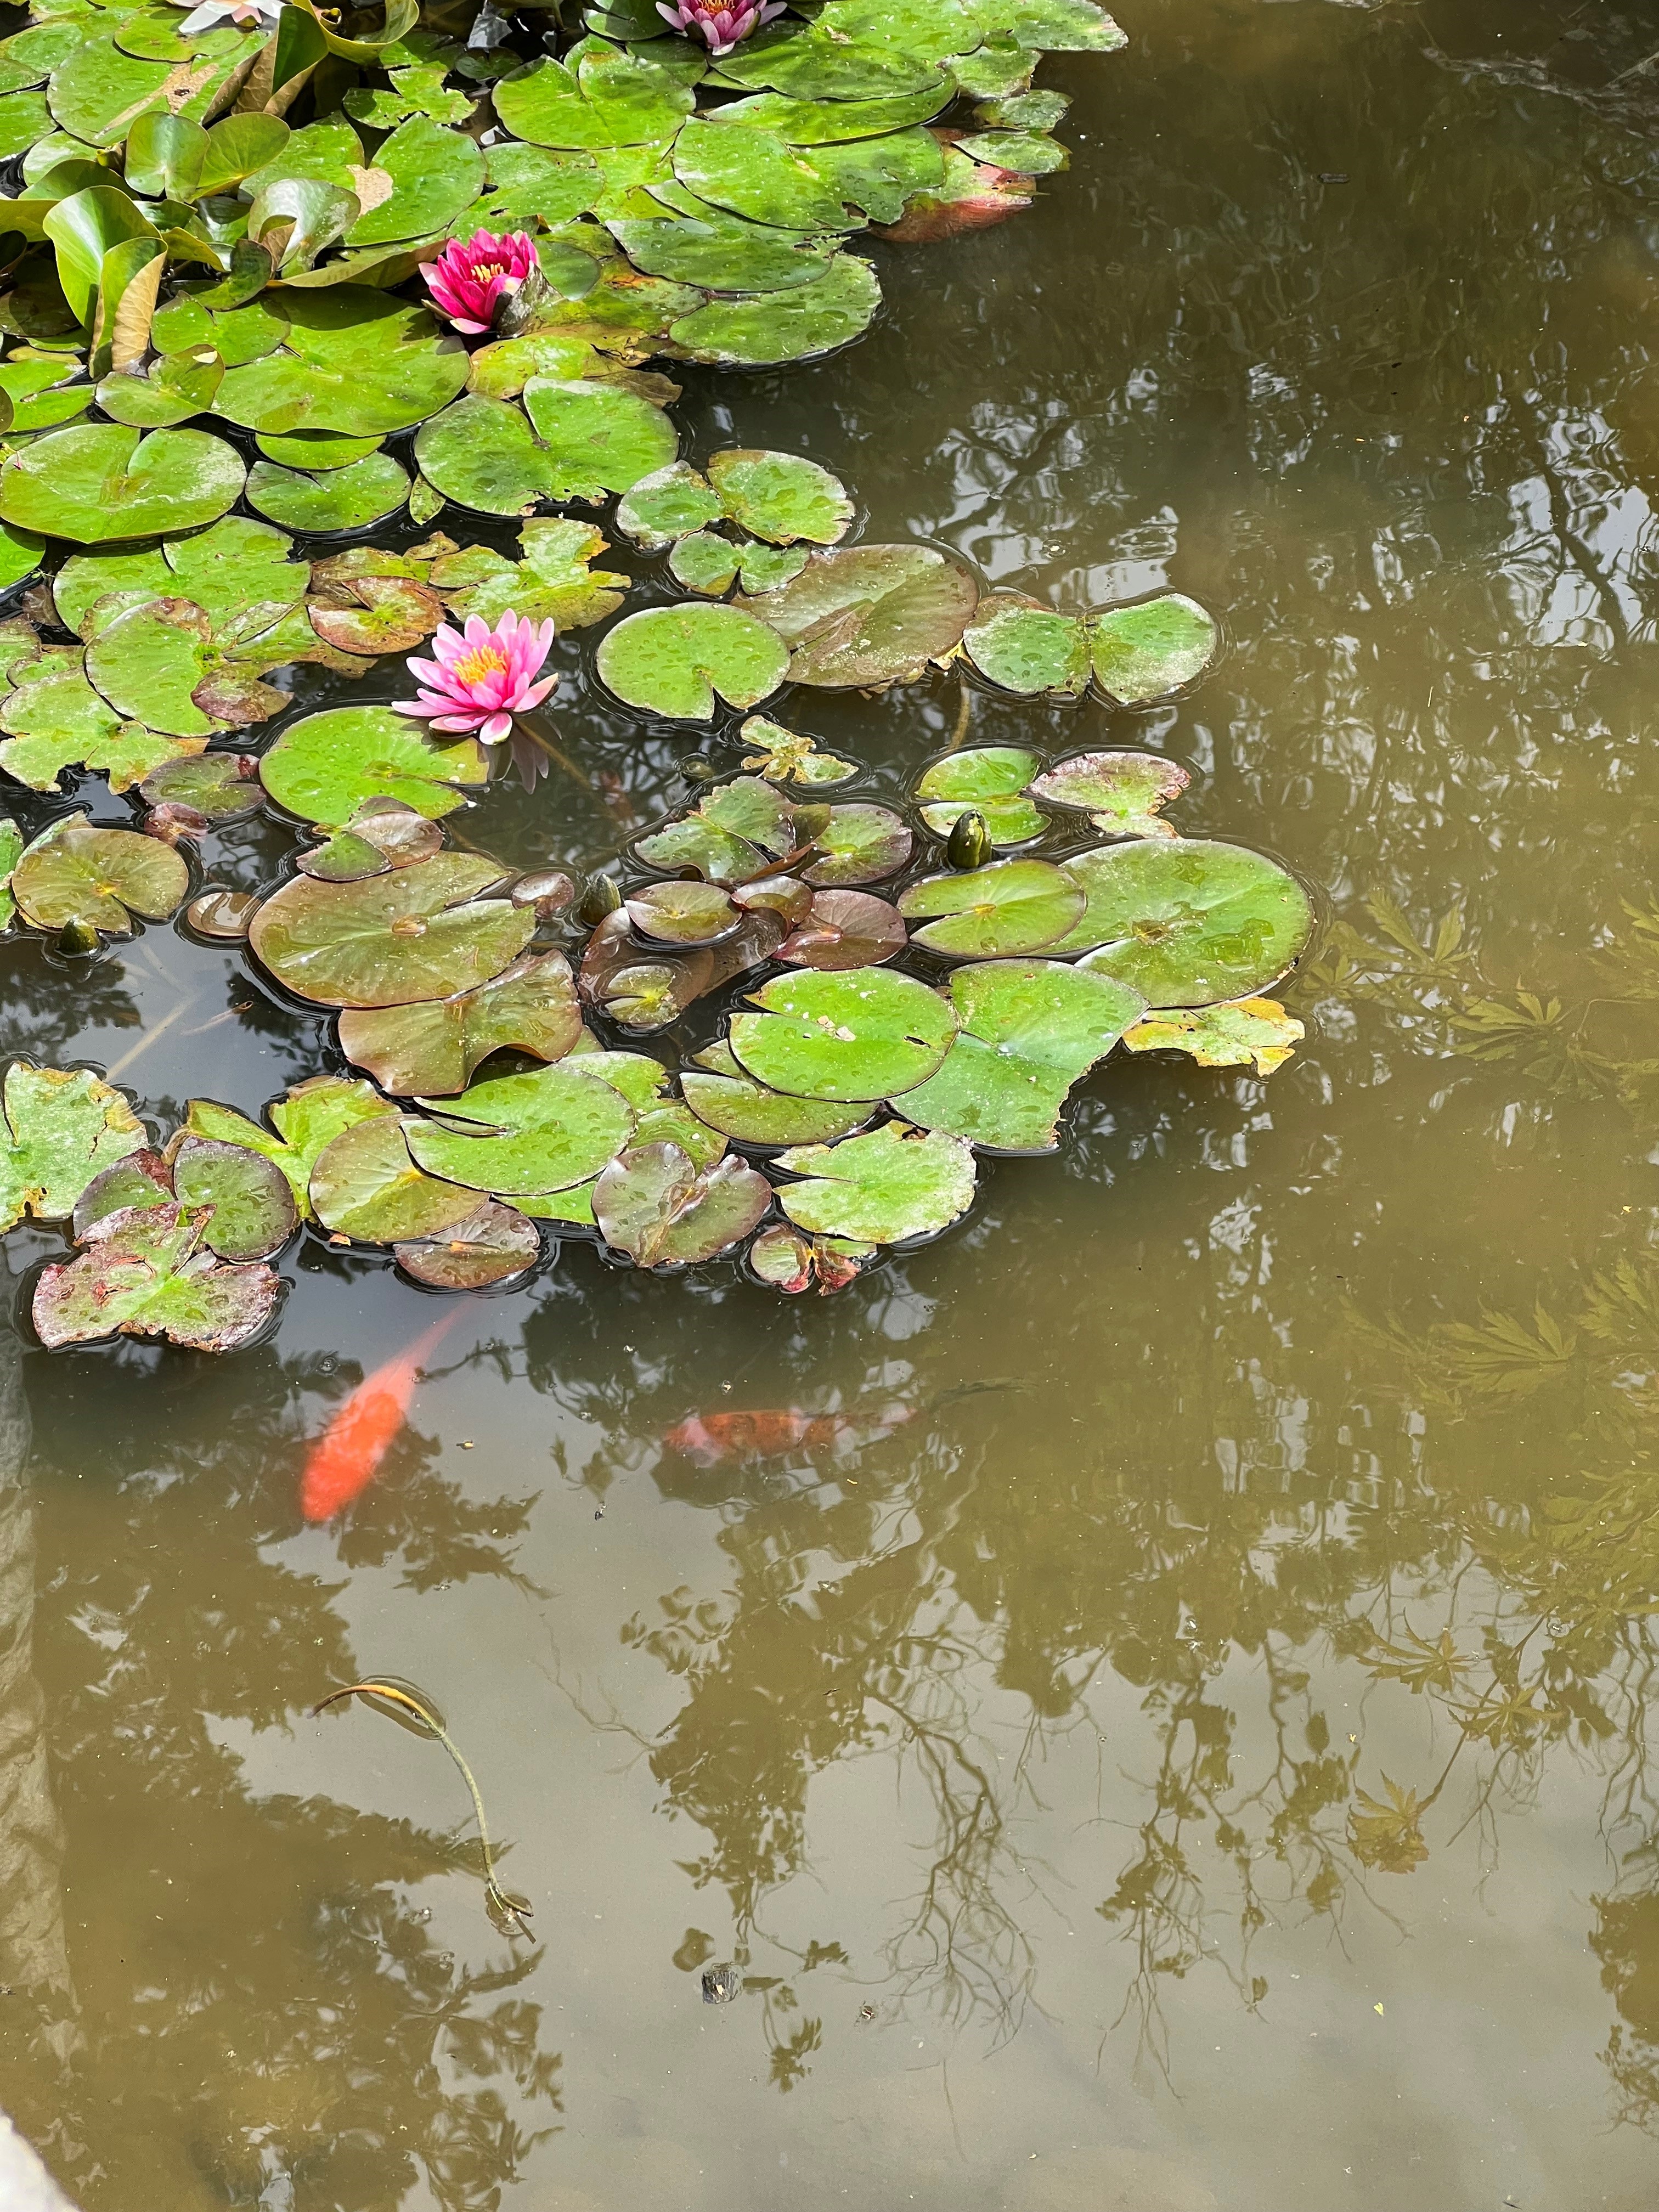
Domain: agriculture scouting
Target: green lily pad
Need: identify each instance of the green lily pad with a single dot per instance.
(668, 504)
(432, 1045)
(20, 551)
(720, 1092)
(349, 498)
(74, 873)
(316, 452)
(599, 438)
(554, 581)
(1023, 110)
(620, 101)
(683, 913)
(1123, 793)
(829, 122)
(236, 565)
(860, 1036)
(99, 92)
(750, 808)
(223, 786)
(1029, 1030)
(694, 843)
(354, 360)
(329, 150)
(1025, 648)
(419, 932)
(988, 780)
(383, 834)
(692, 243)
(869, 615)
(653, 1203)
(755, 174)
(148, 660)
(1144, 651)
(42, 395)
(141, 1274)
(25, 120)
(175, 387)
(885, 1188)
(881, 176)
(528, 184)
(862, 844)
(781, 497)
(490, 1245)
(483, 454)
(322, 769)
(62, 1126)
(12, 842)
(252, 1210)
(1029, 153)
(549, 1129)
(786, 756)
(781, 325)
(101, 481)
(784, 1259)
(436, 173)
(235, 334)
(57, 720)
(310, 1116)
(1243, 1033)
(705, 563)
(765, 567)
(1013, 906)
(675, 660)
(812, 64)
(365, 1186)
(1187, 922)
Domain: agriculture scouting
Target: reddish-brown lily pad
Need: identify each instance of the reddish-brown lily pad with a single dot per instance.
(490, 1245)
(144, 1273)
(845, 929)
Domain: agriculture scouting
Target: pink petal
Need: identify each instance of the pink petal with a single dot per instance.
(497, 727)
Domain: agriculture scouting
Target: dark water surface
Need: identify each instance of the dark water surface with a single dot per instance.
(1034, 1763)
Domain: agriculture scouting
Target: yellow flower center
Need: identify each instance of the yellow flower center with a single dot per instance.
(484, 271)
(483, 661)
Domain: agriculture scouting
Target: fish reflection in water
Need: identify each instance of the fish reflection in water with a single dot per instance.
(773, 1431)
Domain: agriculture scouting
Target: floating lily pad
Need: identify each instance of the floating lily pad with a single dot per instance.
(1029, 1030)
(1187, 922)
(62, 1126)
(683, 913)
(483, 454)
(74, 873)
(432, 1045)
(223, 786)
(861, 844)
(830, 122)
(720, 1093)
(755, 174)
(375, 615)
(1123, 793)
(885, 1188)
(599, 438)
(147, 662)
(1245, 1032)
(383, 833)
(555, 582)
(549, 1129)
(227, 570)
(621, 103)
(490, 1245)
(705, 563)
(1025, 648)
(102, 480)
(310, 1117)
(20, 555)
(57, 720)
(419, 932)
(693, 243)
(11, 849)
(365, 1186)
(676, 660)
(349, 498)
(141, 1274)
(41, 394)
(780, 497)
(1029, 153)
(781, 326)
(668, 504)
(864, 1036)
(784, 1259)
(225, 917)
(754, 810)
(322, 769)
(1013, 906)
(812, 64)
(316, 452)
(694, 843)
(845, 929)
(786, 756)
(435, 175)
(252, 1210)
(988, 781)
(143, 1179)
(869, 615)
(655, 1204)
(354, 360)
(1144, 651)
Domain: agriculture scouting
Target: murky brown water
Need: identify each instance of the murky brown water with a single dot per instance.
(1034, 1763)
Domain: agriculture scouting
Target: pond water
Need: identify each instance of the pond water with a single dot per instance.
(1208, 1768)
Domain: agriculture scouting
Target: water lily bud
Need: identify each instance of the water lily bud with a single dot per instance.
(602, 896)
(77, 936)
(969, 845)
(697, 768)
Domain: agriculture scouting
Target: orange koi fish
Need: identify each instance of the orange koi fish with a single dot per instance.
(343, 1462)
(706, 1439)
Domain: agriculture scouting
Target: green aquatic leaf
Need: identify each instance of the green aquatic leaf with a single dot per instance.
(235, 334)
(548, 1130)
(328, 150)
(1013, 906)
(143, 1179)
(62, 1126)
(417, 89)
(781, 325)
(311, 1116)
(296, 219)
(987, 780)
(236, 565)
(722, 1093)
(223, 786)
(653, 1203)
(141, 1274)
(501, 370)
(483, 454)
(1245, 1032)
(528, 184)
(705, 563)
(436, 173)
(781, 497)
(786, 756)
(751, 809)
(861, 844)
(1028, 153)
(819, 63)
(74, 873)
(98, 92)
(1023, 111)
(831, 122)
(691, 242)
(554, 581)
(102, 480)
(25, 120)
(694, 842)
(323, 768)
(253, 1210)
(1025, 648)
(175, 387)
(1030, 1028)
(317, 452)
(1123, 793)
(12, 841)
(867, 1035)
(57, 720)
(869, 615)
(620, 101)
(375, 615)
(148, 660)
(669, 504)
(894, 1183)
(1142, 652)
(1187, 922)
(426, 932)
(41, 395)
(29, 57)
(432, 1045)
(236, 147)
(354, 360)
(490, 1245)
(683, 913)
(675, 660)
(365, 1186)
(881, 176)
(598, 437)
(757, 176)
(784, 1259)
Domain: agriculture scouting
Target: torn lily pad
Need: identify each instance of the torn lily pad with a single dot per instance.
(144, 1273)
(74, 873)
(1243, 1033)
(555, 582)
(1187, 922)
(655, 1204)
(786, 756)
(432, 1046)
(62, 1126)
(223, 787)
(676, 660)
(252, 1210)
(895, 1183)
(987, 780)
(1123, 794)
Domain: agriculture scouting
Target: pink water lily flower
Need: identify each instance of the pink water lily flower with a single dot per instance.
(482, 677)
(720, 22)
(469, 277)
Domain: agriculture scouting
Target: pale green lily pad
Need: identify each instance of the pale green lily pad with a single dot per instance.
(1144, 651)
(57, 720)
(528, 184)
(1029, 1030)
(311, 1116)
(21, 552)
(781, 497)
(1187, 922)
(25, 120)
(1245, 1032)
(885, 1188)
(436, 174)
(349, 498)
(811, 64)
(41, 395)
(147, 662)
(705, 563)
(433, 1045)
(12, 842)
(782, 325)
(365, 1186)
(99, 481)
(869, 615)
(765, 567)
(1029, 153)
(1124, 794)
(628, 103)
(323, 768)
(831, 122)
(483, 455)
(786, 756)
(175, 387)
(1025, 649)
(683, 913)
(142, 1275)
(653, 1203)
(862, 844)
(62, 1126)
(675, 660)
(74, 873)
(554, 582)
(755, 174)
(426, 932)
(859, 1037)
(1023, 110)
(750, 808)
(881, 175)
(253, 1213)
(692, 243)
(1012, 906)
(599, 438)
(693, 842)
(550, 1129)
(720, 1092)
(236, 565)
(315, 451)
(988, 781)
(669, 504)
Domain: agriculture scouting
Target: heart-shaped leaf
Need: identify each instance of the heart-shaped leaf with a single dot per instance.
(1013, 906)
(784, 1259)
(103, 481)
(548, 1130)
(419, 932)
(365, 1186)
(1123, 793)
(694, 843)
(373, 615)
(1144, 651)
(310, 1117)
(683, 913)
(675, 660)
(1245, 1032)
(1187, 922)
(883, 1188)
(73, 872)
(986, 781)
(224, 786)
(141, 1274)
(781, 326)
(432, 1045)
(599, 438)
(669, 504)
(555, 582)
(349, 498)
(860, 1036)
(655, 1204)
(323, 768)
(861, 844)
(720, 1092)
(62, 1126)
(781, 497)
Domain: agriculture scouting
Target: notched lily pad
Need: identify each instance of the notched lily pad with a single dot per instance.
(223, 786)
(861, 844)
(1144, 651)
(308, 1118)
(845, 929)
(786, 756)
(676, 660)
(720, 1091)
(62, 1126)
(784, 1259)
(492, 1245)
(547, 1130)
(102, 480)
(781, 497)
(1245, 1032)
(1013, 906)
(860, 1036)
(986, 781)
(252, 1213)
(365, 1186)
(869, 615)
(76, 873)
(1123, 793)
(432, 1045)
(1187, 922)
(323, 768)
(425, 932)
(656, 1206)
(144, 1274)
(894, 1183)
(683, 913)
(1027, 648)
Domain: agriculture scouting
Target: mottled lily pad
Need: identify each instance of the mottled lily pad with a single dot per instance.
(310, 1117)
(599, 438)
(894, 1183)
(675, 660)
(323, 768)
(1025, 648)
(987, 780)
(795, 325)
(1012, 906)
(683, 913)
(786, 756)
(432, 1045)
(655, 1204)
(492, 1245)
(419, 932)
(1142, 652)
(694, 842)
(554, 581)
(869, 615)
(62, 1126)
(143, 1179)
(483, 454)
(365, 1186)
(669, 504)
(1245, 1032)
(786, 1260)
(223, 786)
(860, 1036)
(1123, 793)
(845, 929)
(74, 873)
(97, 481)
(861, 844)
(781, 497)
(1187, 922)
(142, 1275)
(706, 563)
(549, 1129)
(252, 1210)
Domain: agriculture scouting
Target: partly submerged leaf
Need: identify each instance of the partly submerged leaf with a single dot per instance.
(1246, 1032)
(1023, 647)
(655, 1204)
(883, 1188)
(724, 1095)
(987, 780)
(785, 757)
(1389, 1836)
(252, 1213)
(349, 498)
(311, 1116)
(785, 1259)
